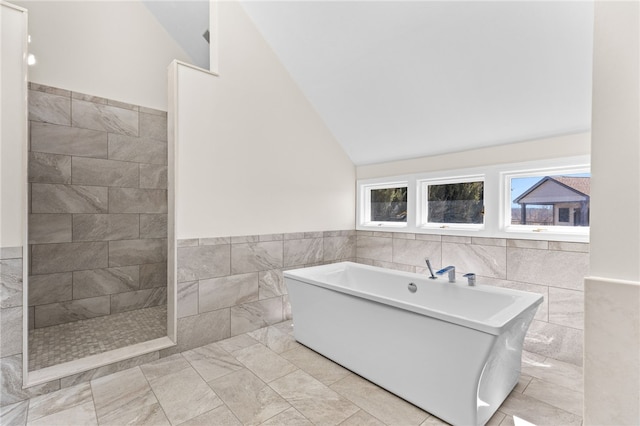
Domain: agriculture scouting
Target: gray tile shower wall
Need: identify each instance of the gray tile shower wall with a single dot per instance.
(98, 216)
(232, 285)
(554, 269)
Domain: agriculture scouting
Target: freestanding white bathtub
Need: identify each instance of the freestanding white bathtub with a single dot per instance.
(450, 349)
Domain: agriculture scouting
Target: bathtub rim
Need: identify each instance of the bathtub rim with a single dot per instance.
(495, 324)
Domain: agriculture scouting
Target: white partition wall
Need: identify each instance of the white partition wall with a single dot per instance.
(13, 124)
(612, 292)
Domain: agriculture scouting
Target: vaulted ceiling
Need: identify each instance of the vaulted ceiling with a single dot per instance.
(404, 79)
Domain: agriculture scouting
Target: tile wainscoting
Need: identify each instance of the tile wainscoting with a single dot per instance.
(554, 269)
(98, 206)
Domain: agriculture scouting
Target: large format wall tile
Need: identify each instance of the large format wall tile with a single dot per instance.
(202, 329)
(94, 171)
(488, 261)
(187, 299)
(51, 258)
(47, 198)
(153, 176)
(89, 115)
(11, 336)
(49, 228)
(414, 252)
(223, 292)
(271, 284)
(49, 108)
(339, 247)
(137, 149)
(100, 282)
(566, 307)
(49, 168)
(123, 302)
(153, 275)
(10, 283)
(68, 140)
(153, 126)
(555, 341)
(50, 288)
(153, 226)
(253, 257)
(105, 227)
(548, 267)
(137, 252)
(203, 262)
(303, 252)
(252, 316)
(542, 313)
(131, 200)
(74, 310)
(375, 248)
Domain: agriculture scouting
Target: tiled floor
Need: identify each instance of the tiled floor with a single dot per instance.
(265, 377)
(66, 342)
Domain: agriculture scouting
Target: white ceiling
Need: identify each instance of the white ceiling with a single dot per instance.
(395, 80)
(404, 79)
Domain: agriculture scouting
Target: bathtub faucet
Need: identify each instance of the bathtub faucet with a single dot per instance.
(432, 277)
(452, 273)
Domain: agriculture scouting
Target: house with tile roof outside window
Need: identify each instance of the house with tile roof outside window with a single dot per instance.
(569, 197)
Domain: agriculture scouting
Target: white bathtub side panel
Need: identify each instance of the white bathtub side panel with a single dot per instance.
(431, 363)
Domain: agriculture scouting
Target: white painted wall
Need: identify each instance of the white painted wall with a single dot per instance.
(253, 156)
(540, 149)
(112, 49)
(13, 125)
(612, 293)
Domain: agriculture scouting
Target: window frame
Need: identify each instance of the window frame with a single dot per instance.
(497, 201)
(365, 217)
(423, 202)
(558, 230)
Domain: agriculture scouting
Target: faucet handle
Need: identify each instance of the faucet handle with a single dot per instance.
(471, 278)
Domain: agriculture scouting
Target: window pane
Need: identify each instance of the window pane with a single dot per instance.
(558, 200)
(456, 203)
(389, 205)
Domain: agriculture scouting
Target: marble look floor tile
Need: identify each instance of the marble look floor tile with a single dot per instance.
(537, 412)
(184, 395)
(567, 399)
(248, 397)
(55, 402)
(237, 343)
(275, 339)
(378, 402)
(433, 421)
(14, 414)
(314, 400)
(164, 366)
(323, 369)
(79, 415)
(523, 382)
(264, 363)
(146, 415)
(122, 396)
(96, 373)
(285, 326)
(289, 417)
(218, 416)
(496, 419)
(362, 418)
(211, 361)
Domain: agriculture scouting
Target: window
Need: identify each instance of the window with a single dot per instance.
(519, 200)
(546, 200)
(386, 204)
(453, 202)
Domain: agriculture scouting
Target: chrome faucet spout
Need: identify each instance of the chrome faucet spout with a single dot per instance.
(452, 273)
(432, 277)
